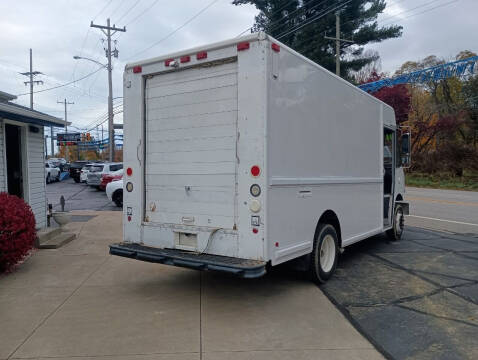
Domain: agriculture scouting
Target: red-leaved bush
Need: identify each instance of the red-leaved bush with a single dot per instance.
(17, 230)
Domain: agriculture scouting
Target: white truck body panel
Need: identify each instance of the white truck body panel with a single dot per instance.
(192, 133)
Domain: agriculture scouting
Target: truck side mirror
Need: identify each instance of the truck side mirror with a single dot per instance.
(405, 143)
(405, 150)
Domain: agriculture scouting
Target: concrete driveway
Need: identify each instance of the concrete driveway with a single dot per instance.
(78, 301)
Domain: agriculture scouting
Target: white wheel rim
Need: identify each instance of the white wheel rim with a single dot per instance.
(327, 253)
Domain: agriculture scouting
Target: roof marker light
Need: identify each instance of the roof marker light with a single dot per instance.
(168, 62)
(185, 59)
(275, 47)
(137, 69)
(242, 46)
(201, 55)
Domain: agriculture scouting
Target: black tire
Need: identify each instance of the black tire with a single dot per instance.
(47, 178)
(77, 180)
(319, 272)
(118, 198)
(395, 233)
(58, 177)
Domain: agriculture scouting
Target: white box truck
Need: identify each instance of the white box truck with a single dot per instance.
(245, 154)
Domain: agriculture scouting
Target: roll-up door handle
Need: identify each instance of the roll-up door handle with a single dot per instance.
(137, 152)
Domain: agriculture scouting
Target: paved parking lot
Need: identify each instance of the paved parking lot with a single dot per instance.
(414, 299)
(78, 196)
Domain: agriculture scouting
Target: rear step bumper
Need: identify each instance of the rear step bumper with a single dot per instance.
(241, 267)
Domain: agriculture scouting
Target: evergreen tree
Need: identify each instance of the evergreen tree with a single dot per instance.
(281, 18)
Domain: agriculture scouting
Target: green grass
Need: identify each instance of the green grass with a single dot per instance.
(468, 182)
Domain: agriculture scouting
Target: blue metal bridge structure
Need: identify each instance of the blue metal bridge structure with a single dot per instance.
(459, 68)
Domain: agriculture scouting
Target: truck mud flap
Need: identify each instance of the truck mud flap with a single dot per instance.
(245, 268)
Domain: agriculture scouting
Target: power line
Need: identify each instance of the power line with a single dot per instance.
(176, 30)
(102, 9)
(142, 13)
(62, 85)
(310, 21)
(406, 11)
(117, 8)
(127, 11)
(300, 8)
(274, 13)
(86, 37)
(424, 12)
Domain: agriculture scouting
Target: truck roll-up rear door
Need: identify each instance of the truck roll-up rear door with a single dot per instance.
(191, 129)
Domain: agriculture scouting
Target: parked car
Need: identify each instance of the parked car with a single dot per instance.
(75, 169)
(107, 178)
(52, 173)
(84, 172)
(114, 192)
(97, 170)
(53, 162)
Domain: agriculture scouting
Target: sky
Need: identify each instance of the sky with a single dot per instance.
(57, 30)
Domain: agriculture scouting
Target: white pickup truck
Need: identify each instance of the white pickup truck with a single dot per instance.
(244, 154)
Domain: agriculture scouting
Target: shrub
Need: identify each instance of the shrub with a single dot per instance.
(17, 230)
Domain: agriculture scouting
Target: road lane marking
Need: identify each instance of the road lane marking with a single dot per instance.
(440, 201)
(450, 221)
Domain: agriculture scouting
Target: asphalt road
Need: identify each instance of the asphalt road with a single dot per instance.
(78, 196)
(445, 210)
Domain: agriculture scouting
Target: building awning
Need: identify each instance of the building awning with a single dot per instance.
(23, 114)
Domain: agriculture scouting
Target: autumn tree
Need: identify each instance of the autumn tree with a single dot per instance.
(282, 19)
(443, 120)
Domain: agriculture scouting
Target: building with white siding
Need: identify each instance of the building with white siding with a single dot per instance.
(22, 154)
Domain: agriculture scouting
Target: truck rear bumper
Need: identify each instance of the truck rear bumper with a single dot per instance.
(245, 268)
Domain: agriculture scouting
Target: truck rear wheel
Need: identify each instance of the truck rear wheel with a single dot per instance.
(323, 260)
(395, 233)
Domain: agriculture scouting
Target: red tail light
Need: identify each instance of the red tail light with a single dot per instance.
(255, 171)
(185, 59)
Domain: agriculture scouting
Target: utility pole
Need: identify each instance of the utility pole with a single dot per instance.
(109, 31)
(102, 144)
(338, 40)
(32, 82)
(31, 74)
(66, 103)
